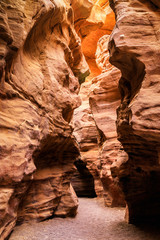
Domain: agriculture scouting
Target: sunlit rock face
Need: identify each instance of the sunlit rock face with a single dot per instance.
(93, 19)
(40, 65)
(94, 120)
(135, 50)
(104, 98)
(95, 128)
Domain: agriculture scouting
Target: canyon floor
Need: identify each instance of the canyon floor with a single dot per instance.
(93, 222)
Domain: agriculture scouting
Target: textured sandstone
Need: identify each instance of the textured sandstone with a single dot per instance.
(135, 50)
(94, 125)
(86, 135)
(93, 19)
(104, 98)
(95, 128)
(40, 65)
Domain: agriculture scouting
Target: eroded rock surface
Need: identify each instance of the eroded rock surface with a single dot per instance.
(85, 132)
(95, 128)
(135, 50)
(94, 120)
(40, 65)
(104, 99)
(93, 19)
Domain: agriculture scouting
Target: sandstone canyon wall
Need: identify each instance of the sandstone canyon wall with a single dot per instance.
(94, 120)
(41, 64)
(86, 134)
(93, 19)
(135, 49)
(134, 91)
(95, 128)
(104, 99)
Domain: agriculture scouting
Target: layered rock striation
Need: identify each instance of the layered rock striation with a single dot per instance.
(41, 64)
(104, 99)
(93, 19)
(135, 49)
(85, 132)
(95, 128)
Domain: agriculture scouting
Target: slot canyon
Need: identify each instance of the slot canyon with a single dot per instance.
(79, 119)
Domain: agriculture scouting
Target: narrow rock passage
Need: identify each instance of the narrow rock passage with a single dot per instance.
(93, 222)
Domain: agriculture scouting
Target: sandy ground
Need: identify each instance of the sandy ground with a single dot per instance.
(93, 222)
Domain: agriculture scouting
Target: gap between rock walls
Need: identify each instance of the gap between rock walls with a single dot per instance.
(77, 80)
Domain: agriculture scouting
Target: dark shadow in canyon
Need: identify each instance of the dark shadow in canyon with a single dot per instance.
(50, 186)
(83, 181)
(144, 231)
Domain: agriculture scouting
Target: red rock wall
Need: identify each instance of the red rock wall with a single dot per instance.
(40, 65)
(135, 50)
(104, 99)
(85, 132)
(93, 19)
(95, 128)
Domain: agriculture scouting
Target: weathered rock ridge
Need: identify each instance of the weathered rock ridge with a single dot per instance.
(134, 160)
(135, 49)
(104, 98)
(94, 120)
(93, 19)
(95, 128)
(40, 65)
(86, 134)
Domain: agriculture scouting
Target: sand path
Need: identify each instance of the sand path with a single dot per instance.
(93, 222)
